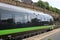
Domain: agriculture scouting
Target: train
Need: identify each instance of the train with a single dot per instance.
(14, 17)
(18, 17)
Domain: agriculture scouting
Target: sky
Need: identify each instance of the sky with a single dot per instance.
(53, 3)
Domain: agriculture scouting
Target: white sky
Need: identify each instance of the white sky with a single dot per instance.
(54, 3)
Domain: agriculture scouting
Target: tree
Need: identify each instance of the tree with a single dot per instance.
(42, 4)
(45, 5)
(50, 8)
(39, 3)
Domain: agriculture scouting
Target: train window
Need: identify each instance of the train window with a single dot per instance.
(6, 16)
(19, 17)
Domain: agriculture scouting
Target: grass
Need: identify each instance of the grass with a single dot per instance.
(10, 31)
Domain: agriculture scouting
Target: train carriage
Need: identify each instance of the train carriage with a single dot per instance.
(13, 16)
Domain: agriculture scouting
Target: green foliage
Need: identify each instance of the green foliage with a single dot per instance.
(47, 6)
(50, 8)
(49, 39)
(42, 4)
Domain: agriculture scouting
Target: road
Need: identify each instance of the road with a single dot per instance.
(54, 35)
